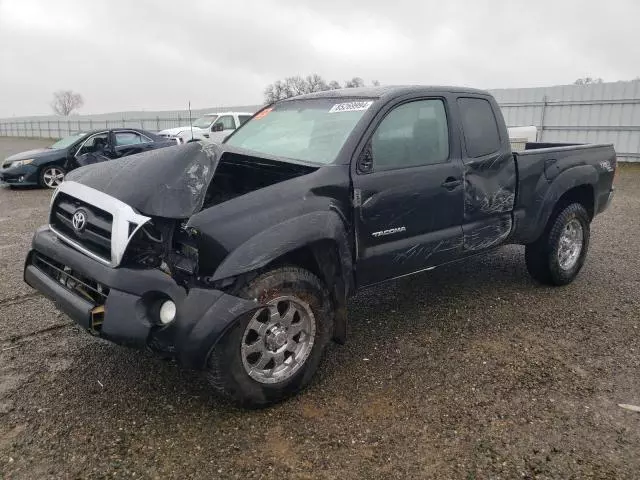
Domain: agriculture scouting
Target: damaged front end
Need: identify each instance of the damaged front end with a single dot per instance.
(120, 257)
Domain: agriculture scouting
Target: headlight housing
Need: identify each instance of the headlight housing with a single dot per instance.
(20, 163)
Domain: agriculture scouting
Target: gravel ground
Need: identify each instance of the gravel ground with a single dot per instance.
(470, 371)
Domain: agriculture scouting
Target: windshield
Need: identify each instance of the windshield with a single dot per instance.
(311, 130)
(205, 121)
(65, 142)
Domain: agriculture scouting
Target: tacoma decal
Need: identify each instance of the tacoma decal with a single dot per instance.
(391, 231)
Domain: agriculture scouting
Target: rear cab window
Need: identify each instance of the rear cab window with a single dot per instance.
(480, 127)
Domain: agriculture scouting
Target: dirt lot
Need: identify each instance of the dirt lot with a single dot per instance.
(471, 371)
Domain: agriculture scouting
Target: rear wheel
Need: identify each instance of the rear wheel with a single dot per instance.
(274, 352)
(557, 256)
(51, 176)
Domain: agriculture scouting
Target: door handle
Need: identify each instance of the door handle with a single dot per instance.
(450, 183)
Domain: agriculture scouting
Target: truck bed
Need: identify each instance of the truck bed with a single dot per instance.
(551, 162)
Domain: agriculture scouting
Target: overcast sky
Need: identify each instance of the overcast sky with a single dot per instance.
(156, 55)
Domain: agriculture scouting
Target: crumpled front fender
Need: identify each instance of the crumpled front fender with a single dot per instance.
(205, 317)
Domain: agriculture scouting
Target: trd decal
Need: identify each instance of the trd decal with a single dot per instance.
(606, 166)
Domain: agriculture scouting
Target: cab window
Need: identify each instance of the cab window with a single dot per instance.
(95, 143)
(412, 134)
(227, 122)
(129, 138)
(481, 135)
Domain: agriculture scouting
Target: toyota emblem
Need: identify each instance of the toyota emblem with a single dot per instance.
(79, 220)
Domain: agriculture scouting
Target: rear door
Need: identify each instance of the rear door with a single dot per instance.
(489, 172)
(129, 142)
(408, 192)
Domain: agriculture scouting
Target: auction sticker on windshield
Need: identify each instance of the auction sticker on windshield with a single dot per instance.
(350, 107)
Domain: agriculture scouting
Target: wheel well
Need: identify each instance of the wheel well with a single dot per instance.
(322, 258)
(313, 257)
(582, 194)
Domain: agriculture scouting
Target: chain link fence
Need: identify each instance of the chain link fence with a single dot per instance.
(602, 113)
(64, 127)
(59, 127)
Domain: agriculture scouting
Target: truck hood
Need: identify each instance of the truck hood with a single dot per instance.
(178, 130)
(168, 182)
(172, 182)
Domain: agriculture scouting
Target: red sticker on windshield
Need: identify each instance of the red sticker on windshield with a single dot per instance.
(263, 114)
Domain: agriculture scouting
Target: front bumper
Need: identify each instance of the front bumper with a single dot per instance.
(22, 175)
(127, 315)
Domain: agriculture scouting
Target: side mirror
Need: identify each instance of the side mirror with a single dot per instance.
(365, 160)
(217, 127)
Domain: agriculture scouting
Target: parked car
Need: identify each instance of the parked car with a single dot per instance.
(212, 126)
(48, 166)
(238, 259)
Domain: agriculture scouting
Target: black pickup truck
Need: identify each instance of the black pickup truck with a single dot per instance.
(238, 259)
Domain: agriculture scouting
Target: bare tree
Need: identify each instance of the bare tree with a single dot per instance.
(316, 83)
(354, 83)
(66, 101)
(587, 81)
(297, 85)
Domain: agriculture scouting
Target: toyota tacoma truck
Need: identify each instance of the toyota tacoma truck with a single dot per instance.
(238, 259)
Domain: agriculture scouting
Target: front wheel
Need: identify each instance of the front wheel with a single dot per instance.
(557, 256)
(51, 176)
(274, 352)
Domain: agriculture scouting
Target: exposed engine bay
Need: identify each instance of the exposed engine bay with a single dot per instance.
(170, 245)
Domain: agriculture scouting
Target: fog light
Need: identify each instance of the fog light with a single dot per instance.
(21, 178)
(167, 312)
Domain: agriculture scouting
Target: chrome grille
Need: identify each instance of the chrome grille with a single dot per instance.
(95, 235)
(107, 226)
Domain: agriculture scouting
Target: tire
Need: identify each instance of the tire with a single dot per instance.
(557, 256)
(236, 367)
(51, 176)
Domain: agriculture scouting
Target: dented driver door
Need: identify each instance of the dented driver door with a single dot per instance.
(408, 193)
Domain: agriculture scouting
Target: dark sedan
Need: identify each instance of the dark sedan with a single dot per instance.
(47, 167)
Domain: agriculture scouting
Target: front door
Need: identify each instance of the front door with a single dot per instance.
(408, 193)
(93, 150)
